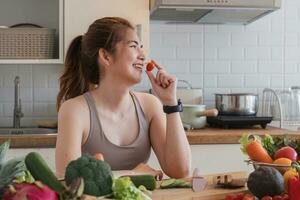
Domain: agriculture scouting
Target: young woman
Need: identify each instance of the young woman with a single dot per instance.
(98, 111)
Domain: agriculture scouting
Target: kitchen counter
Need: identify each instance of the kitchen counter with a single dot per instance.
(211, 192)
(203, 136)
(30, 140)
(231, 136)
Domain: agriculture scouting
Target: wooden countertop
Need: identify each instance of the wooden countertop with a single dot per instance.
(211, 192)
(210, 135)
(30, 140)
(203, 136)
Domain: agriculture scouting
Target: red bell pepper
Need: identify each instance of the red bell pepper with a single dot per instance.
(294, 188)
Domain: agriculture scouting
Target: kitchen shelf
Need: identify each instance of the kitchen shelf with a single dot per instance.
(48, 13)
(31, 61)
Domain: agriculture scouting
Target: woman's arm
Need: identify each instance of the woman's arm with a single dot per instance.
(168, 137)
(69, 138)
(139, 170)
(169, 142)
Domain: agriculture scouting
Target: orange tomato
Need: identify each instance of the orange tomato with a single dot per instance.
(282, 161)
(99, 156)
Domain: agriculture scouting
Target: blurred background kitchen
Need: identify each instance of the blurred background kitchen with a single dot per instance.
(226, 58)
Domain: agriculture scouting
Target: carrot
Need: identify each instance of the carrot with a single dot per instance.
(99, 156)
(256, 152)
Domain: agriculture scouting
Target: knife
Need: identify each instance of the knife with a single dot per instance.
(198, 182)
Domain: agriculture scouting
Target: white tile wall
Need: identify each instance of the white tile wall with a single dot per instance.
(38, 88)
(235, 58)
(217, 58)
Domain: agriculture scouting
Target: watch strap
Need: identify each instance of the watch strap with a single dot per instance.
(173, 109)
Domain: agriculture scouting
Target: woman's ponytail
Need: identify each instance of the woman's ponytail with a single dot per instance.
(82, 69)
(73, 81)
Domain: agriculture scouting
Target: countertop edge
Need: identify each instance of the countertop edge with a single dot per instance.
(209, 136)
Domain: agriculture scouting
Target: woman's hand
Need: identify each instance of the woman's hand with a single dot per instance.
(145, 169)
(163, 85)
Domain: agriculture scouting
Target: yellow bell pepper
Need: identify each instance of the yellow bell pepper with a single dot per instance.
(288, 174)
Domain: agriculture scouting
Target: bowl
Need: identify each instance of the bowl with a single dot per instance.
(282, 168)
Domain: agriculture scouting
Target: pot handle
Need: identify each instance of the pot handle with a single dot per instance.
(208, 113)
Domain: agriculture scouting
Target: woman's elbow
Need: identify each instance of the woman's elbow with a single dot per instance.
(179, 172)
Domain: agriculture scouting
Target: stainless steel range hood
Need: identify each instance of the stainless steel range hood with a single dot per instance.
(211, 11)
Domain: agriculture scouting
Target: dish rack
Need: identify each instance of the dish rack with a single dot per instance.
(283, 105)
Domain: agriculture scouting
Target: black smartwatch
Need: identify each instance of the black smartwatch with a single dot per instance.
(173, 109)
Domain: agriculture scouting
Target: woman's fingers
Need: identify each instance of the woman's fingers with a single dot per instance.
(146, 169)
(159, 175)
(159, 78)
(162, 78)
(159, 67)
(151, 77)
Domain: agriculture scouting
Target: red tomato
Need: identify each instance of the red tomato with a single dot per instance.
(150, 66)
(248, 197)
(267, 198)
(238, 196)
(277, 197)
(99, 156)
(285, 197)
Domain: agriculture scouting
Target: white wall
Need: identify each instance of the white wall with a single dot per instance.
(217, 58)
(233, 58)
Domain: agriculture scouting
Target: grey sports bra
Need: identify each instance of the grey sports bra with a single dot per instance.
(119, 157)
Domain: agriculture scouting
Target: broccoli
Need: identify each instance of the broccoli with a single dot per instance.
(97, 175)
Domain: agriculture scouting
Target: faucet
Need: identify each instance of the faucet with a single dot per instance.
(17, 107)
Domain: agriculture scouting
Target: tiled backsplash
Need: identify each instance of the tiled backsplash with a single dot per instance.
(233, 58)
(38, 90)
(217, 58)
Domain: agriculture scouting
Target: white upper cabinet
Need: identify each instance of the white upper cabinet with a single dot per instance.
(26, 46)
(80, 14)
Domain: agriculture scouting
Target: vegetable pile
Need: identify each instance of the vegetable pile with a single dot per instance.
(97, 175)
(277, 175)
(31, 178)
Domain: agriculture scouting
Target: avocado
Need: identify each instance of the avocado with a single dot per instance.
(265, 181)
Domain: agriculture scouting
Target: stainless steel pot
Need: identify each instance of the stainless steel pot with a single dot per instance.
(194, 115)
(237, 104)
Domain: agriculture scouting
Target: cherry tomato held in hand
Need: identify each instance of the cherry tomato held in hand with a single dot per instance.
(150, 66)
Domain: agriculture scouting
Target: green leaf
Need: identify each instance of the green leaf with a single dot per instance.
(10, 170)
(268, 144)
(3, 149)
(246, 139)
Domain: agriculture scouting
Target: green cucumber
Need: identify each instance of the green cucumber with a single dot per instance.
(146, 180)
(179, 183)
(167, 183)
(41, 171)
(174, 183)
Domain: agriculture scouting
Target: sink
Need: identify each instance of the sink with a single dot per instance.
(26, 130)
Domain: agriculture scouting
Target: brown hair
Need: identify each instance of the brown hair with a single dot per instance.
(81, 68)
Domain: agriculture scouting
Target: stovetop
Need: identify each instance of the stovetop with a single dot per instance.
(225, 121)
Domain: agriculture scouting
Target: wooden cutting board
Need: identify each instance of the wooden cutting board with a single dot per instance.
(210, 193)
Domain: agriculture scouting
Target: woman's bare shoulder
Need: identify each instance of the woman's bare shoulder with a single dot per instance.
(147, 99)
(76, 105)
(150, 104)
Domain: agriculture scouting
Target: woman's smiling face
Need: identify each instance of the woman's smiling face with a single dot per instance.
(128, 60)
